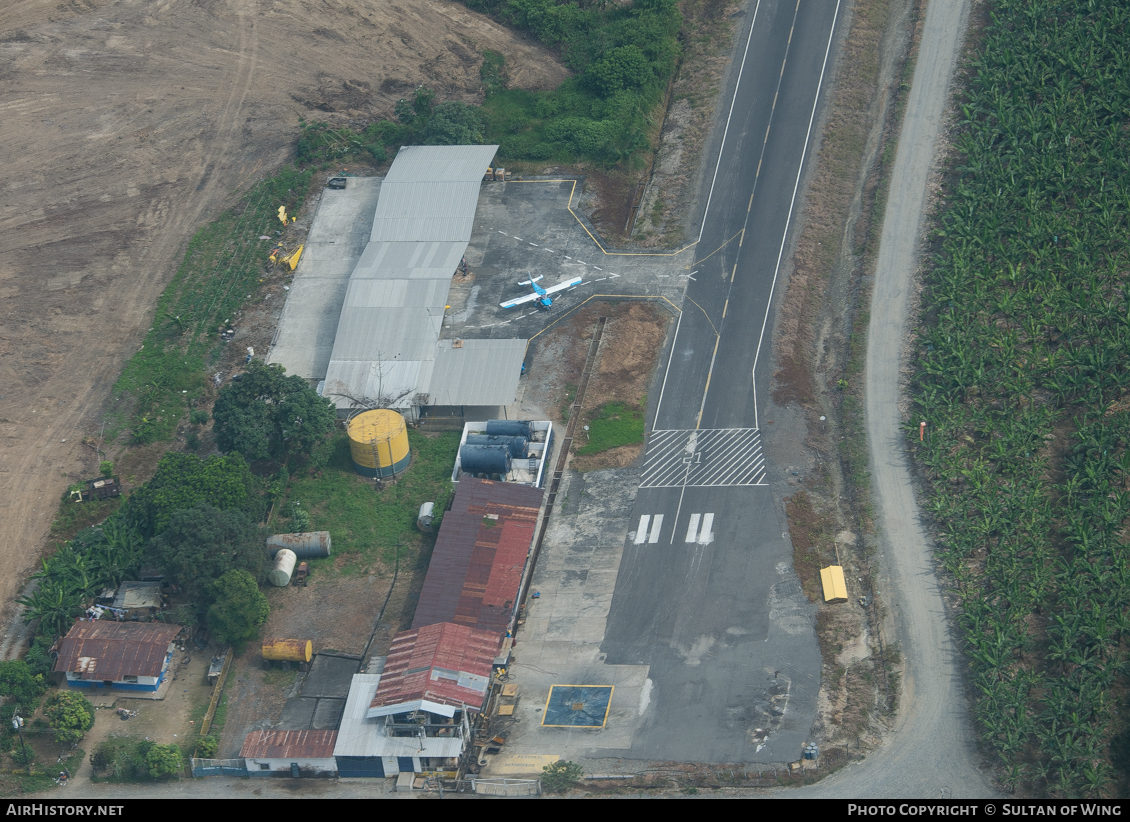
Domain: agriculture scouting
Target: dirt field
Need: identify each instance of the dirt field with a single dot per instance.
(127, 125)
(629, 351)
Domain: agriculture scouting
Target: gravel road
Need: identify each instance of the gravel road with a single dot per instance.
(930, 753)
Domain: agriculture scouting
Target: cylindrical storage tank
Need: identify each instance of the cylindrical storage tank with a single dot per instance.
(311, 545)
(426, 516)
(288, 650)
(280, 572)
(378, 443)
(518, 446)
(484, 459)
(508, 428)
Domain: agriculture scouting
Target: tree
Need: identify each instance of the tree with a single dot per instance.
(203, 543)
(454, 124)
(19, 682)
(69, 714)
(53, 604)
(239, 608)
(183, 481)
(265, 414)
(560, 776)
(164, 760)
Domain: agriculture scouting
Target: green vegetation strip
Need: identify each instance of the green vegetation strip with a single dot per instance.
(1023, 378)
(220, 269)
(623, 57)
(615, 424)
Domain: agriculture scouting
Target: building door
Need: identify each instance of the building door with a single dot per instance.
(368, 766)
(405, 764)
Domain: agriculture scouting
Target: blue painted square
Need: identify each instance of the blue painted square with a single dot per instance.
(577, 706)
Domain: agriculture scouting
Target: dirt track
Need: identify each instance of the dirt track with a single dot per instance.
(930, 752)
(125, 125)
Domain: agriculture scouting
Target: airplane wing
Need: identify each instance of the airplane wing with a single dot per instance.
(553, 289)
(525, 298)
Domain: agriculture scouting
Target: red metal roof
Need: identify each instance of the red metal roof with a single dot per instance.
(289, 745)
(111, 651)
(476, 567)
(445, 663)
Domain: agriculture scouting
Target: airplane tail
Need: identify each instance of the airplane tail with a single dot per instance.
(531, 281)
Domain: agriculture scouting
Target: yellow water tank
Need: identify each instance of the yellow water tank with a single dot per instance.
(288, 650)
(378, 443)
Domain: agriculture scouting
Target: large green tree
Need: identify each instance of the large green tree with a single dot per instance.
(266, 414)
(183, 481)
(69, 714)
(19, 682)
(203, 543)
(239, 608)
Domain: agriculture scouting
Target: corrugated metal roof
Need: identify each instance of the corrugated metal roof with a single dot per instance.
(476, 569)
(289, 745)
(392, 315)
(356, 733)
(447, 664)
(409, 261)
(414, 211)
(480, 372)
(111, 651)
(460, 164)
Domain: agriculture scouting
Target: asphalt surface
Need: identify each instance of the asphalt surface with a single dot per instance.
(706, 594)
(930, 752)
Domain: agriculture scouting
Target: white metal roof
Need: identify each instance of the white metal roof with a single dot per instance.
(355, 734)
(387, 342)
(480, 372)
(360, 736)
(446, 164)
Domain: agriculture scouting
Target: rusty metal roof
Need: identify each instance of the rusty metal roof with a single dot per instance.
(480, 553)
(447, 664)
(289, 745)
(111, 651)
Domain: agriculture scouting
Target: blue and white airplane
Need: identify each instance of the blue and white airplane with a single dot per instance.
(540, 294)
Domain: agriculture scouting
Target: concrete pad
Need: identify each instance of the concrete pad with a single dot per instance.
(297, 714)
(341, 228)
(327, 715)
(330, 676)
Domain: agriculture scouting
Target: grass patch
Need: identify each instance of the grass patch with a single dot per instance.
(367, 523)
(615, 424)
(221, 267)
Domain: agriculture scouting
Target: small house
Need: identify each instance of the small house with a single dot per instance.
(128, 656)
(290, 753)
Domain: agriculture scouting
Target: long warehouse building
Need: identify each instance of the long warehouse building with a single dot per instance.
(387, 349)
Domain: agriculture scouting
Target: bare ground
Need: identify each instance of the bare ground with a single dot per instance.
(126, 126)
(829, 521)
(625, 365)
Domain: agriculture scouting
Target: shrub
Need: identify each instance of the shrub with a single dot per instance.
(207, 747)
(164, 760)
(560, 776)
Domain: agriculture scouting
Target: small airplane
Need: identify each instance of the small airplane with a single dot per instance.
(540, 294)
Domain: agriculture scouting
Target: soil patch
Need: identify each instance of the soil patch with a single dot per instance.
(629, 352)
(133, 124)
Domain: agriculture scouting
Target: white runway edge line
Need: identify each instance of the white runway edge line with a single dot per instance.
(789, 218)
(726, 130)
(710, 196)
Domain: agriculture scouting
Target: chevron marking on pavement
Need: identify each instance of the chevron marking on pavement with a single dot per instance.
(709, 457)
